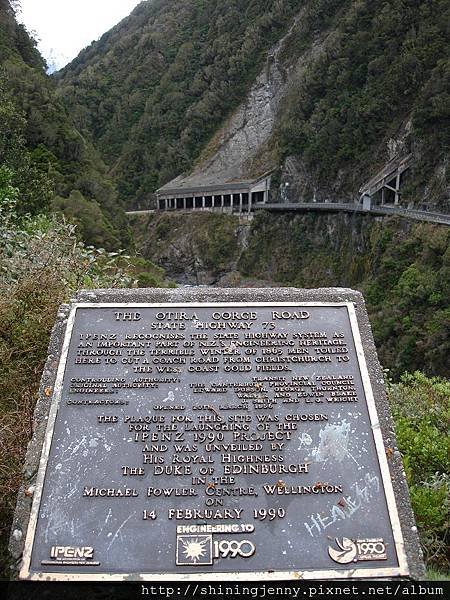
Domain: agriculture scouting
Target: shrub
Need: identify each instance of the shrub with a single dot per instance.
(41, 264)
(420, 406)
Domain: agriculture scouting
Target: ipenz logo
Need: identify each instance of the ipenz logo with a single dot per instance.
(71, 555)
(347, 550)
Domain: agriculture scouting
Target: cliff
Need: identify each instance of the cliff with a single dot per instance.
(402, 267)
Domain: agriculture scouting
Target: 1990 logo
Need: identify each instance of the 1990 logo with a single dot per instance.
(347, 550)
(197, 550)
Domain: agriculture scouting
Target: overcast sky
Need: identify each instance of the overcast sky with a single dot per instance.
(64, 27)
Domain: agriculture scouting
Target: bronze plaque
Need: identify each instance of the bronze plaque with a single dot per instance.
(213, 441)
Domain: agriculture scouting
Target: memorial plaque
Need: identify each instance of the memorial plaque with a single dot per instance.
(213, 440)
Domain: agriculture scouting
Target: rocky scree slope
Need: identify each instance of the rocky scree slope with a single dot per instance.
(323, 91)
(154, 90)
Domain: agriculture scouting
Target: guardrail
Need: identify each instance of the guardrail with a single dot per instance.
(418, 215)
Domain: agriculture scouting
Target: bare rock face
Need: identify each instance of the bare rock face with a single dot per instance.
(298, 184)
(232, 152)
(196, 248)
(399, 144)
(241, 148)
(251, 126)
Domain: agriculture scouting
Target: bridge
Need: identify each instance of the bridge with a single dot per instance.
(348, 207)
(229, 194)
(387, 181)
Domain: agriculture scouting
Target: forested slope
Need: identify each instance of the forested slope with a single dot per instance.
(380, 89)
(153, 90)
(41, 152)
(360, 81)
(402, 267)
(45, 165)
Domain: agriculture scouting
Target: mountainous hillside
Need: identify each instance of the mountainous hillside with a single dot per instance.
(323, 91)
(156, 87)
(402, 268)
(41, 152)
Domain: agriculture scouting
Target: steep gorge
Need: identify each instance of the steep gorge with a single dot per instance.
(401, 266)
(320, 90)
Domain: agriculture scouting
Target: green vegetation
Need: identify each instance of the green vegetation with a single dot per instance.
(421, 411)
(387, 63)
(50, 162)
(150, 95)
(17, 163)
(211, 238)
(402, 268)
(154, 89)
(189, 245)
(407, 291)
(41, 265)
(46, 167)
